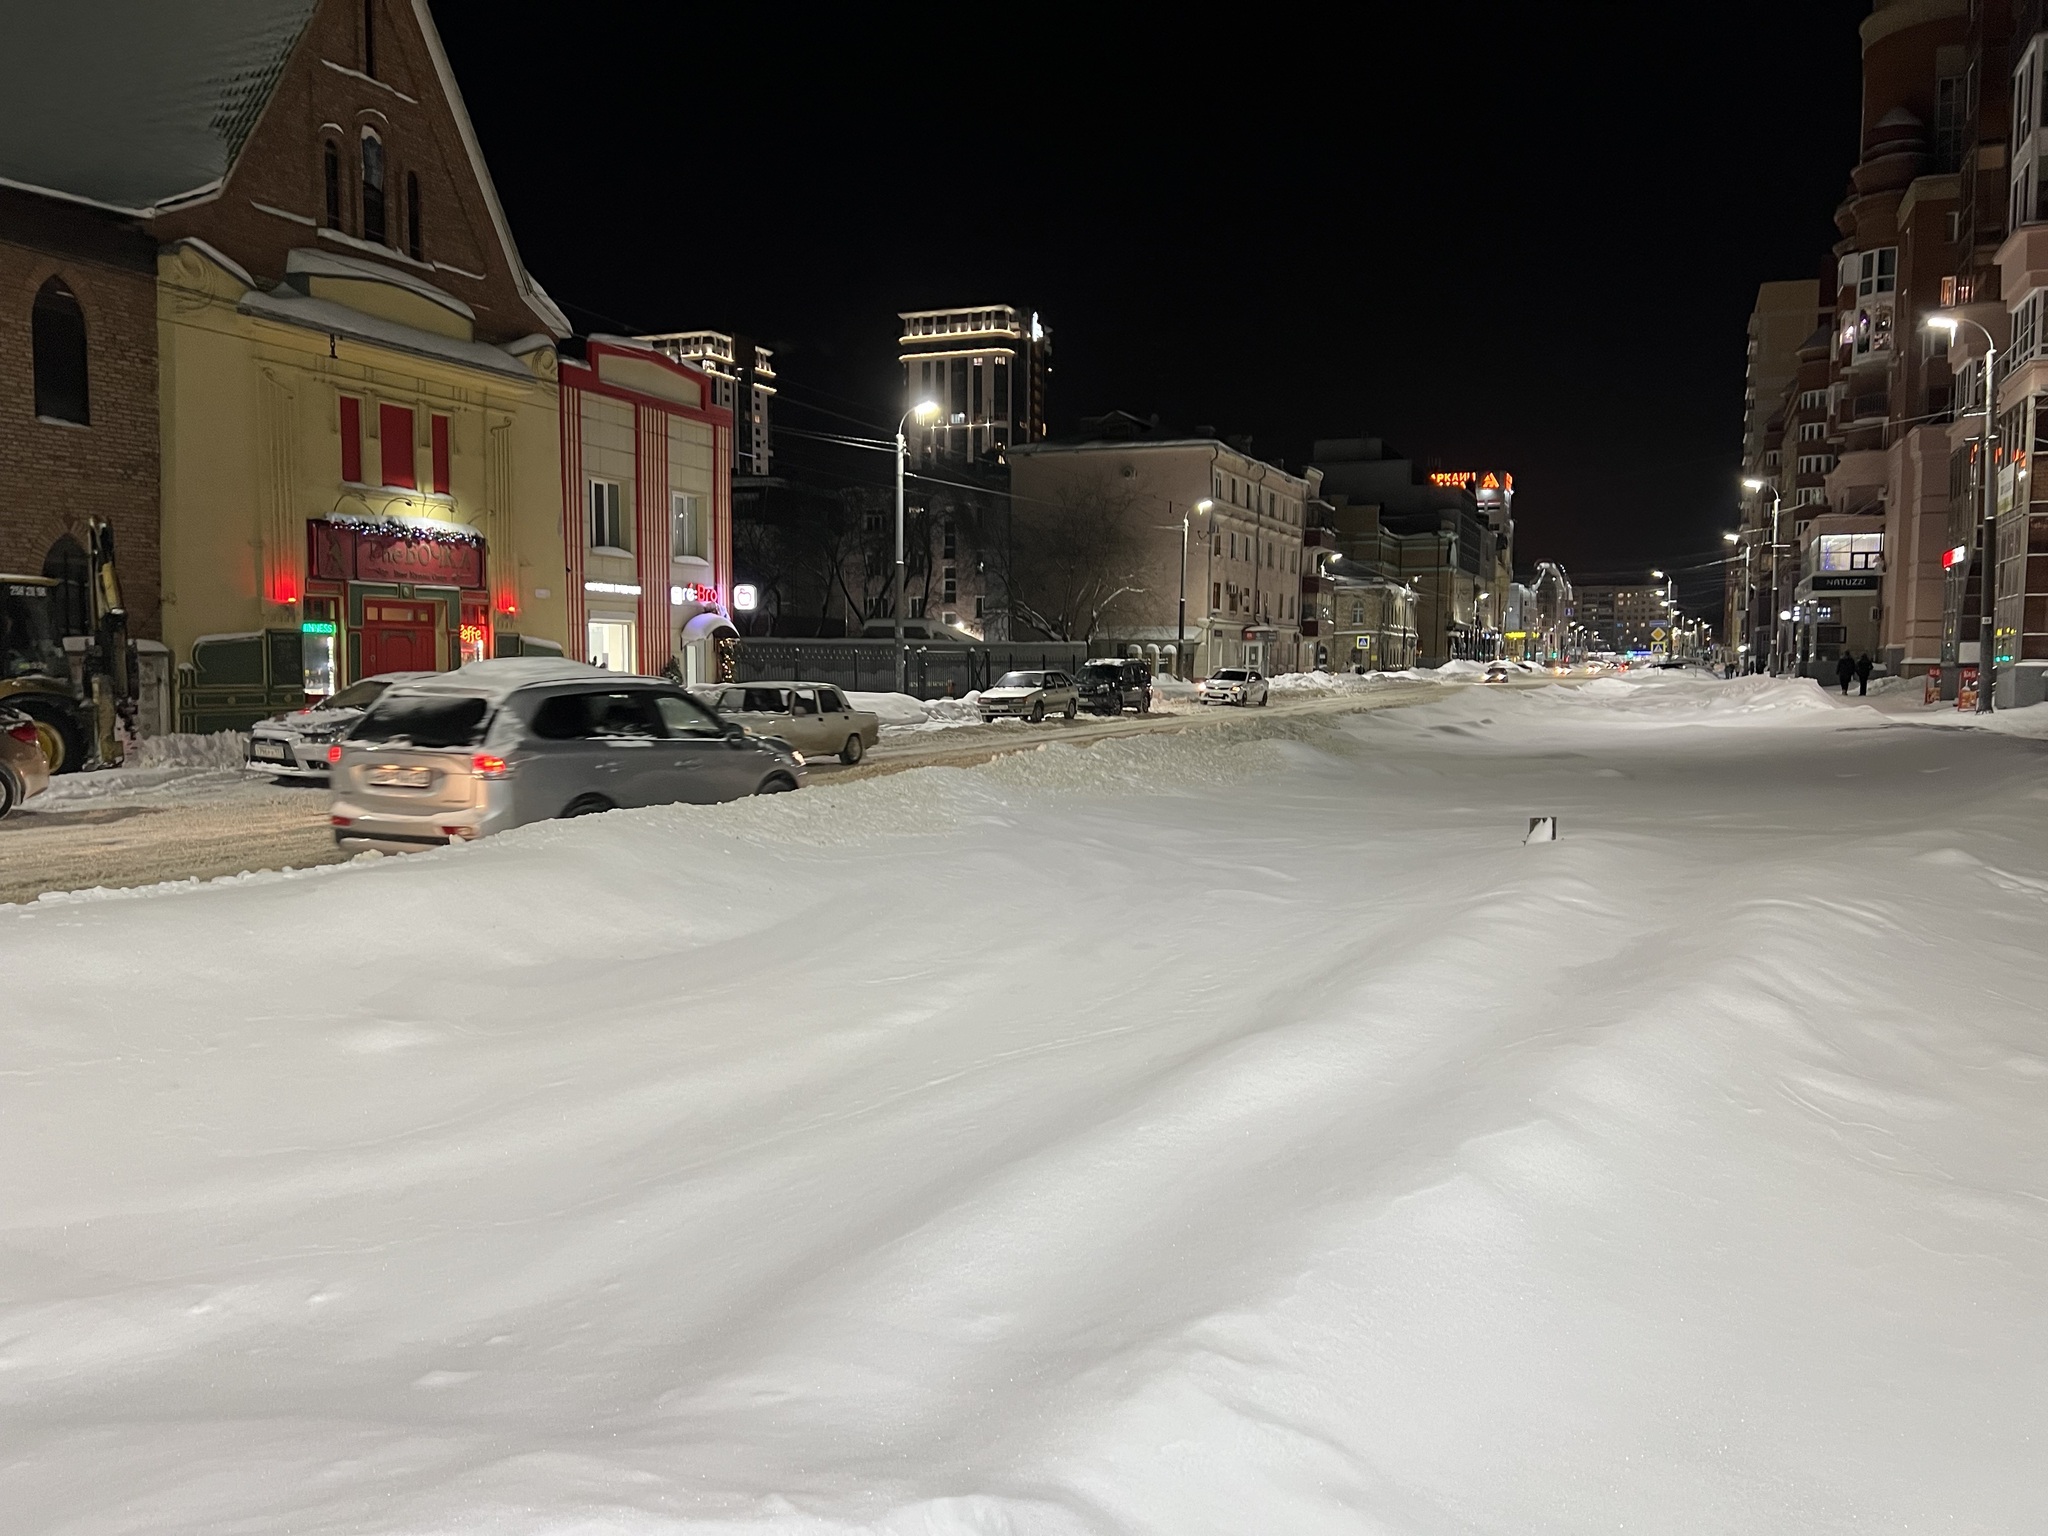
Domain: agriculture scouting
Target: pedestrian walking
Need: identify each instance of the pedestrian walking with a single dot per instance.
(1863, 670)
(1845, 672)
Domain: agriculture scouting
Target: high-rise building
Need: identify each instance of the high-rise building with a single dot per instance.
(986, 370)
(1891, 386)
(743, 381)
(1786, 325)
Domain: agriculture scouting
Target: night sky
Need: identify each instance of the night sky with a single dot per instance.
(1508, 235)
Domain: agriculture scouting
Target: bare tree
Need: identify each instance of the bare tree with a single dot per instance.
(1078, 562)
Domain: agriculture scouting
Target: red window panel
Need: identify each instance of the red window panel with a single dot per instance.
(394, 429)
(351, 439)
(440, 455)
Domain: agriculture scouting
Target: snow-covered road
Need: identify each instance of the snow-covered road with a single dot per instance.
(1232, 1132)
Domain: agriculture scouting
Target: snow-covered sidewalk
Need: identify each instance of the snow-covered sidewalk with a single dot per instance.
(1236, 1131)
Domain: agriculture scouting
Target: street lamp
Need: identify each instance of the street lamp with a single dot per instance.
(1765, 485)
(1180, 646)
(924, 410)
(1987, 666)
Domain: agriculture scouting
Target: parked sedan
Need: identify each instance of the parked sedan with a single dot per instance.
(815, 718)
(294, 745)
(497, 744)
(24, 771)
(1032, 695)
(1233, 685)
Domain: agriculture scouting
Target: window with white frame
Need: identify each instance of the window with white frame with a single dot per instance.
(686, 527)
(1813, 399)
(607, 517)
(1816, 463)
(1813, 431)
(2026, 326)
(1808, 495)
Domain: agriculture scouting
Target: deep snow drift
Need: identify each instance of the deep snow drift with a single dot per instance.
(1238, 1131)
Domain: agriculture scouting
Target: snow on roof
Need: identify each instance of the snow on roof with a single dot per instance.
(307, 262)
(133, 104)
(286, 307)
(506, 675)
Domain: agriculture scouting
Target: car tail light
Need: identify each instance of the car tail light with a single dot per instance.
(26, 731)
(334, 753)
(460, 834)
(342, 821)
(490, 766)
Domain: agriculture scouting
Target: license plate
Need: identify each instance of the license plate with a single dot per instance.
(271, 751)
(401, 778)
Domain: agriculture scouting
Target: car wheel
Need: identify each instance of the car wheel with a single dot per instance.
(1145, 703)
(587, 805)
(56, 734)
(1116, 703)
(853, 750)
(1265, 699)
(1038, 711)
(8, 798)
(1073, 708)
(776, 784)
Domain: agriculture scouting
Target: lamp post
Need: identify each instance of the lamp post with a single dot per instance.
(1180, 645)
(1765, 485)
(1728, 618)
(924, 410)
(1987, 471)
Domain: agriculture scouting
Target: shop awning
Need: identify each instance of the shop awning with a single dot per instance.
(709, 626)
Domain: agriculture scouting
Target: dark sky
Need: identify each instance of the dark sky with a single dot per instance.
(1513, 235)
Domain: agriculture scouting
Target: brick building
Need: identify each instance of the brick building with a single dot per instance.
(360, 464)
(78, 416)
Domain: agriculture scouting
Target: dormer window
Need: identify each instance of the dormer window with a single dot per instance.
(373, 187)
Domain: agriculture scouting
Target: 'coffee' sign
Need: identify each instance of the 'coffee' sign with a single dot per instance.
(342, 552)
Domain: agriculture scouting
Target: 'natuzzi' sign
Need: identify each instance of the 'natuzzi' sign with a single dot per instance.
(350, 552)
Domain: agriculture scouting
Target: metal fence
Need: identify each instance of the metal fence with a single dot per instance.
(932, 669)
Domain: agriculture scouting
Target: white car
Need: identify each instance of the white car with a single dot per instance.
(1033, 695)
(294, 745)
(1233, 685)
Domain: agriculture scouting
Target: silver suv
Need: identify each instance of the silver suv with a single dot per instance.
(497, 744)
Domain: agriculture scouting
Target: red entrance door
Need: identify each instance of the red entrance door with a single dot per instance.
(397, 637)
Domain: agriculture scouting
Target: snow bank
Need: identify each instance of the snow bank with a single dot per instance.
(1116, 1140)
(223, 749)
(156, 767)
(901, 712)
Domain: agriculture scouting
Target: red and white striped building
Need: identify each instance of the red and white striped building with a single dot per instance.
(647, 509)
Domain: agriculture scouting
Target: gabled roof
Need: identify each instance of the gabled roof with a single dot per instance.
(136, 104)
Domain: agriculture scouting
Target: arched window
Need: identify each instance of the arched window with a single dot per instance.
(67, 563)
(373, 187)
(330, 167)
(413, 244)
(57, 327)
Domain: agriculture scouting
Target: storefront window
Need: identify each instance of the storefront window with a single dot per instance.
(1852, 552)
(611, 645)
(318, 634)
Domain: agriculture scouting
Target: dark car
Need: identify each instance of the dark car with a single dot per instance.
(1110, 686)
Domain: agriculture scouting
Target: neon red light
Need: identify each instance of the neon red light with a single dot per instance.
(334, 753)
(1951, 558)
(284, 587)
